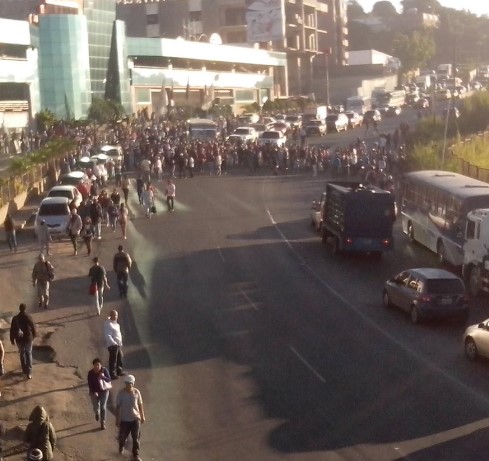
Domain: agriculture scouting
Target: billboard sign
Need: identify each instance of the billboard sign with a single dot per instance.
(265, 20)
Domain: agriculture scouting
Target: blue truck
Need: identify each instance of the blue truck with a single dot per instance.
(357, 218)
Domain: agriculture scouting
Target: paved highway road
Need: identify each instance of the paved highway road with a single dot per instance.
(251, 341)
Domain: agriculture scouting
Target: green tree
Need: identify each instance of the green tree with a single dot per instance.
(45, 119)
(355, 11)
(105, 110)
(414, 50)
(384, 9)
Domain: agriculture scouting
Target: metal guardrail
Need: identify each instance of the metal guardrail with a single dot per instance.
(466, 168)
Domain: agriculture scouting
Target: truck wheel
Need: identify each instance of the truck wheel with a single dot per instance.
(410, 232)
(440, 251)
(386, 300)
(474, 280)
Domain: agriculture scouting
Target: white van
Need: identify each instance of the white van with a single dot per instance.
(114, 152)
(55, 212)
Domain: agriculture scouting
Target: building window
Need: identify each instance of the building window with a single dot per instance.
(152, 19)
(234, 17)
(244, 96)
(143, 96)
(195, 16)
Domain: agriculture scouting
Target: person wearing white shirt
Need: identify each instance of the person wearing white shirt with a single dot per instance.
(113, 339)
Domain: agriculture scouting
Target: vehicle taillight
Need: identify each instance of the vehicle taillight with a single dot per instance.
(348, 241)
(426, 298)
(386, 242)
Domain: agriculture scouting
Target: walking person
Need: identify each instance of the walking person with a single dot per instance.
(42, 276)
(113, 339)
(99, 385)
(170, 195)
(98, 278)
(122, 264)
(96, 215)
(140, 188)
(40, 434)
(87, 234)
(148, 200)
(22, 333)
(75, 225)
(125, 187)
(123, 215)
(129, 416)
(9, 227)
(43, 237)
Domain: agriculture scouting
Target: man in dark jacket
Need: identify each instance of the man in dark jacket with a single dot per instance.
(22, 333)
(121, 264)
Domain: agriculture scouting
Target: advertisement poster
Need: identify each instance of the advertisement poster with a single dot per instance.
(265, 20)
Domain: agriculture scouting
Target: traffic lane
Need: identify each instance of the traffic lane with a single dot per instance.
(441, 342)
(345, 138)
(447, 362)
(262, 282)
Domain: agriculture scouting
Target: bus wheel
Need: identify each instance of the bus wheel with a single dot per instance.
(474, 280)
(410, 232)
(440, 251)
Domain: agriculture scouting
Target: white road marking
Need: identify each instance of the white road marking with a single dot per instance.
(248, 299)
(307, 364)
(374, 325)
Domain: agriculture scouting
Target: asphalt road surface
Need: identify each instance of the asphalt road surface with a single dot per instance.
(250, 340)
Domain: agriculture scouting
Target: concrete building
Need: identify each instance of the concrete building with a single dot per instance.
(315, 31)
(65, 53)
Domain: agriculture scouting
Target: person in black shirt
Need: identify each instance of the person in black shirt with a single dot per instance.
(98, 277)
(22, 333)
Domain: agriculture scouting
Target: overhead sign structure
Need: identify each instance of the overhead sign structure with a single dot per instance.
(265, 20)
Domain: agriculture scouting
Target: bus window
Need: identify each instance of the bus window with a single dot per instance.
(470, 232)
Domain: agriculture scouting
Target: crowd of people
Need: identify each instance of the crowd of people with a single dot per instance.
(157, 151)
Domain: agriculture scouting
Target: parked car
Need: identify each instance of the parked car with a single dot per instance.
(55, 212)
(315, 128)
(393, 111)
(259, 128)
(337, 122)
(280, 126)
(272, 137)
(427, 293)
(293, 120)
(114, 152)
(245, 133)
(70, 192)
(78, 179)
(476, 340)
(354, 119)
(371, 116)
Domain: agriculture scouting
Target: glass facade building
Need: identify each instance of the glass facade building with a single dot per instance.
(100, 15)
(64, 65)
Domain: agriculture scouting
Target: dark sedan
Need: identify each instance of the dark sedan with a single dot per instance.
(427, 293)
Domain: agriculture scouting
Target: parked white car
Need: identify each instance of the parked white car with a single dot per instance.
(272, 137)
(55, 212)
(70, 192)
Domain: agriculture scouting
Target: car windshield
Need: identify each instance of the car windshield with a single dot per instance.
(444, 286)
(241, 131)
(53, 209)
(271, 135)
(332, 118)
(60, 193)
(314, 123)
(69, 181)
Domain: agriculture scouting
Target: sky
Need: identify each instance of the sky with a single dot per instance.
(474, 6)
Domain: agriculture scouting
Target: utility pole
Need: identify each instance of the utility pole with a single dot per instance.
(326, 61)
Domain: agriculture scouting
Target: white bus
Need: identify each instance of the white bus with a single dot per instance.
(202, 128)
(434, 208)
(358, 104)
(382, 97)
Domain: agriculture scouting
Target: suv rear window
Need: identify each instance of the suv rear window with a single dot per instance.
(61, 193)
(54, 210)
(444, 286)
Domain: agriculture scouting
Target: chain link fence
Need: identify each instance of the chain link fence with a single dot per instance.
(465, 167)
